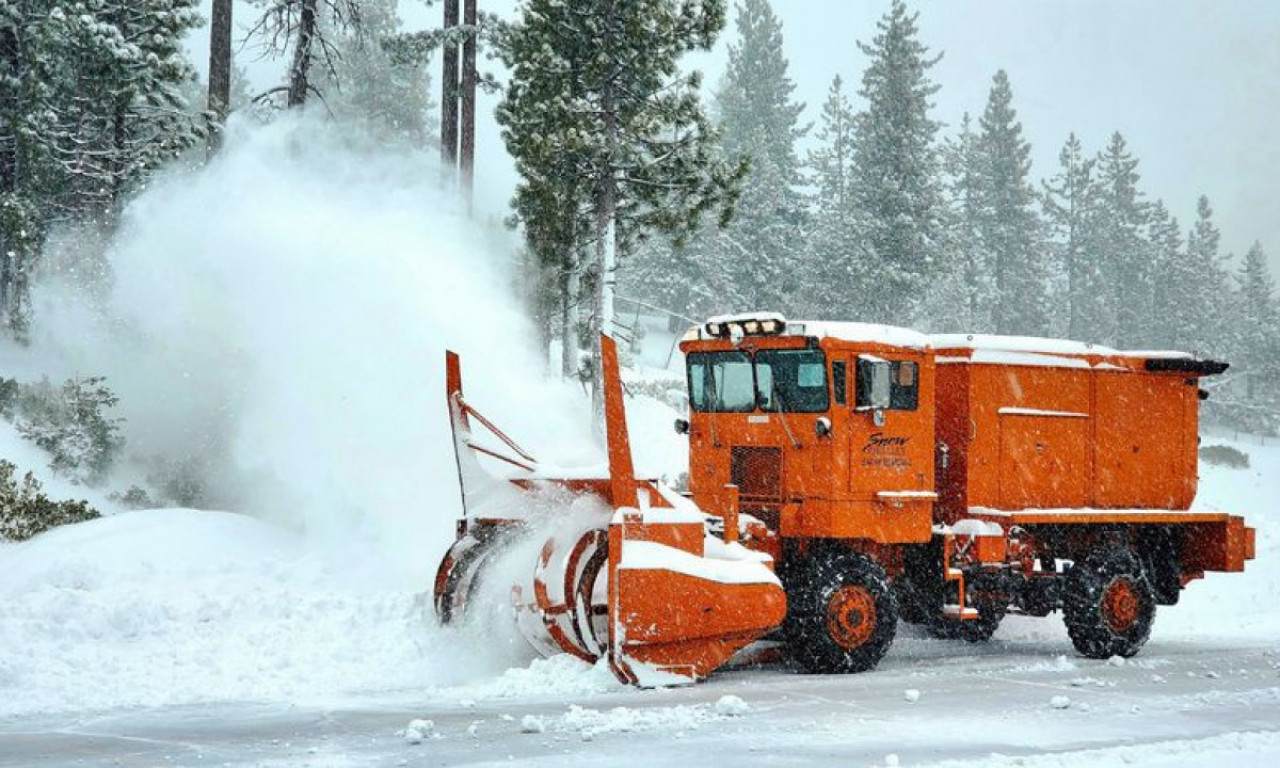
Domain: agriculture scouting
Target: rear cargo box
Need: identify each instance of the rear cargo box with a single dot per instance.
(1037, 424)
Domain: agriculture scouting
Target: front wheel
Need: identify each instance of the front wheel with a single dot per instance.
(842, 613)
(1108, 604)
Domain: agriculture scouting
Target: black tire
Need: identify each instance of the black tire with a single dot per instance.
(842, 614)
(984, 593)
(1108, 604)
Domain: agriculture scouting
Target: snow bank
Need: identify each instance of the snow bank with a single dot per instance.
(166, 607)
(556, 677)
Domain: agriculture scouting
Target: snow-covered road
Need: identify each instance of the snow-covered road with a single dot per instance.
(1180, 703)
(177, 637)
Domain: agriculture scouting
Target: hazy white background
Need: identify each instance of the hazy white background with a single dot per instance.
(1192, 84)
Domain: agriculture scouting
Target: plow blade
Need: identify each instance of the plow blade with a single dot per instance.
(630, 572)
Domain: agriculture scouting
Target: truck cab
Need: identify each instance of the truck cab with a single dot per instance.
(826, 429)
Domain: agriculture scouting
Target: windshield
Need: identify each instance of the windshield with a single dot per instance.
(792, 380)
(721, 382)
(789, 380)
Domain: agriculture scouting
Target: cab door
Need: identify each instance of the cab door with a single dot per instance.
(890, 432)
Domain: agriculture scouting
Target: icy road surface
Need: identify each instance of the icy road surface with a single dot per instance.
(1009, 703)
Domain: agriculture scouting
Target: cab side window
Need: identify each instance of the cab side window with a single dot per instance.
(904, 384)
(904, 393)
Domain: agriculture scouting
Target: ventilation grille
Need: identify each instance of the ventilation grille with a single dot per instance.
(757, 472)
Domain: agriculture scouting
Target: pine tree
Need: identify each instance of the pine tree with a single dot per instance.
(604, 127)
(1251, 399)
(1123, 255)
(963, 299)
(1007, 221)
(1070, 202)
(896, 185)
(834, 260)
(1205, 325)
(1176, 293)
(388, 97)
(758, 124)
(304, 30)
(1259, 329)
(91, 103)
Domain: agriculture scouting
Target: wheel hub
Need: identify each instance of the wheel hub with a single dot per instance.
(851, 616)
(1120, 605)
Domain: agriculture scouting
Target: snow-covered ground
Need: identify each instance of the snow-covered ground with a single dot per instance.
(190, 637)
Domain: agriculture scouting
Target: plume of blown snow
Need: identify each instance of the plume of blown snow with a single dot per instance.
(278, 318)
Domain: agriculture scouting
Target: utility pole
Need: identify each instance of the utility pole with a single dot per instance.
(449, 91)
(219, 71)
(468, 160)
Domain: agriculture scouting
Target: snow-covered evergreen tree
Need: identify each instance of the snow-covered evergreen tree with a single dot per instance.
(91, 103)
(896, 180)
(1256, 336)
(1070, 201)
(1123, 253)
(759, 124)
(1176, 294)
(834, 261)
(602, 123)
(304, 30)
(389, 97)
(1007, 221)
(961, 300)
(1206, 326)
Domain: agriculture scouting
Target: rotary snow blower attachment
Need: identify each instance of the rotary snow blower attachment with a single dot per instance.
(630, 572)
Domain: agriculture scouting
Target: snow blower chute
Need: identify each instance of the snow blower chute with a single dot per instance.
(633, 574)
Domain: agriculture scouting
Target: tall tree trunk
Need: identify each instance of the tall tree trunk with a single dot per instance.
(449, 92)
(606, 242)
(468, 160)
(568, 322)
(219, 104)
(301, 68)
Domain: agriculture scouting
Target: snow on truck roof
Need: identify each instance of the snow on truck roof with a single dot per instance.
(982, 348)
(1038, 346)
(889, 335)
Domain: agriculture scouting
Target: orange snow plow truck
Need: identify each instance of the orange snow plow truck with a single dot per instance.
(843, 476)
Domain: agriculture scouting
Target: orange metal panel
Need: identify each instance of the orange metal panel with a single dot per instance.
(1043, 460)
(1141, 445)
(898, 521)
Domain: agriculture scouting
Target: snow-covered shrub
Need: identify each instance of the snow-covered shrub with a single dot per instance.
(25, 511)
(1224, 456)
(71, 422)
(177, 480)
(136, 497)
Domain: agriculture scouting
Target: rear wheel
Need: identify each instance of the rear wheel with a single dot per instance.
(842, 613)
(1108, 604)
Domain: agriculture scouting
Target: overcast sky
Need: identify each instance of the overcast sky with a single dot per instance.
(1194, 85)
